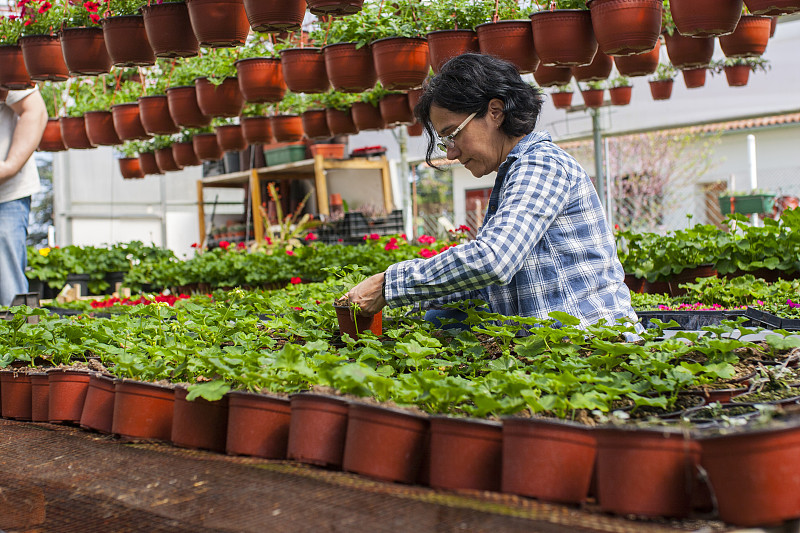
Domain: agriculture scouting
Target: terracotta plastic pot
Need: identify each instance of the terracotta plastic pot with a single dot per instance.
(334, 7)
(550, 460)
(401, 62)
(625, 27)
(705, 19)
(100, 128)
(155, 117)
(40, 397)
(773, 27)
(661, 90)
(737, 75)
(413, 98)
(67, 394)
(199, 423)
(447, 44)
(13, 75)
(315, 124)
(639, 64)
(384, 443)
(85, 51)
(599, 69)
(620, 95)
(147, 160)
(127, 121)
(258, 425)
(318, 429)
(772, 7)
(511, 40)
(287, 128)
(689, 275)
(465, 454)
(51, 139)
(749, 39)
(143, 410)
(206, 146)
(340, 122)
(304, 70)
(230, 138)
(183, 108)
(165, 160)
(694, 77)
(275, 15)
(3, 94)
(367, 117)
(98, 409)
(256, 130)
(130, 168)
(126, 41)
(261, 79)
(73, 133)
(395, 109)
(564, 37)
(169, 30)
(219, 23)
(349, 326)
(349, 69)
(689, 52)
(415, 129)
(593, 98)
(43, 58)
(224, 100)
(552, 76)
(15, 400)
(645, 472)
(184, 155)
(561, 100)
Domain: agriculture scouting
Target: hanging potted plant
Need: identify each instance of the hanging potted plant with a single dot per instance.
(395, 108)
(147, 158)
(229, 135)
(154, 105)
(169, 29)
(287, 124)
(399, 50)
(125, 111)
(705, 19)
(772, 7)
(204, 142)
(684, 51)
(594, 94)
(275, 15)
(73, 124)
(599, 69)
(51, 138)
(347, 54)
(303, 68)
(82, 41)
(749, 39)
(694, 77)
(338, 113)
(562, 96)
(366, 113)
(256, 126)
(619, 90)
(315, 122)
(639, 64)
(162, 150)
(564, 36)
(259, 72)
(183, 150)
(334, 7)
(219, 23)
(13, 74)
(125, 34)
(182, 95)
(41, 45)
(218, 93)
(129, 165)
(95, 98)
(508, 37)
(454, 32)
(661, 82)
(547, 76)
(625, 27)
(737, 70)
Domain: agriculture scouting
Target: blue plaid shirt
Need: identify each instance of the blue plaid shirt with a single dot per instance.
(544, 246)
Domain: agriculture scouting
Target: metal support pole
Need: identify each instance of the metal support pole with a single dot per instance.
(163, 190)
(402, 141)
(599, 180)
(751, 156)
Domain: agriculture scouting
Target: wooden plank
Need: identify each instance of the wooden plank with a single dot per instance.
(355, 164)
(201, 212)
(388, 202)
(255, 197)
(321, 185)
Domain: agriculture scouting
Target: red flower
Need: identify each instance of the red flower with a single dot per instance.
(269, 241)
(289, 252)
(91, 7)
(45, 7)
(311, 237)
(391, 245)
(297, 308)
(427, 239)
(241, 246)
(195, 245)
(94, 18)
(28, 22)
(403, 236)
(295, 281)
(224, 244)
(427, 252)
(340, 240)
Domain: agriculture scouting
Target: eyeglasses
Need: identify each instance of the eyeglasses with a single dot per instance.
(448, 141)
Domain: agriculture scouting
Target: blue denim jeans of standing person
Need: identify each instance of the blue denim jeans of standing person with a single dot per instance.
(13, 251)
(435, 316)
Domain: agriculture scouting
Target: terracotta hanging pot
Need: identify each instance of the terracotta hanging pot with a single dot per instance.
(169, 30)
(147, 160)
(737, 75)
(40, 397)
(219, 23)
(599, 69)
(593, 98)
(230, 138)
(13, 75)
(73, 133)
(334, 7)
(184, 155)
(415, 129)
(367, 117)
(287, 128)
(43, 58)
(772, 7)
(552, 76)
(413, 98)
(395, 109)
(383, 443)
(67, 394)
(315, 124)
(126, 41)
(773, 26)
(98, 409)
(401, 62)
(261, 79)
(206, 146)
(620, 95)
(749, 39)
(100, 128)
(318, 429)
(689, 52)
(256, 130)
(51, 139)
(15, 400)
(561, 100)
(165, 160)
(130, 168)
(155, 117)
(694, 77)
(705, 19)
(275, 15)
(564, 37)
(349, 69)
(661, 90)
(645, 472)
(353, 326)
(127, 121)
(550, 460)
(340, 122)
(183, 108)
(199, 423)
(224, 100)
(143, 410)
(304, 70)
(625, 27)
(639, 64)
(258, 425)
(3, 94)
(447, 44)
(511, 40)
(85, 51)
(465, 454)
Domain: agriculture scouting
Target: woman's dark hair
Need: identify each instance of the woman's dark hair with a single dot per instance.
(467, 83)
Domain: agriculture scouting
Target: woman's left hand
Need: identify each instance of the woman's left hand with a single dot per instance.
(369, 295)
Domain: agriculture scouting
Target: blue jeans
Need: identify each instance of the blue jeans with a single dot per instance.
(13, 252)
(434, 316)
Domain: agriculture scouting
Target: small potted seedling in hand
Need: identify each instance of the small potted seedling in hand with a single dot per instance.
(351, 320)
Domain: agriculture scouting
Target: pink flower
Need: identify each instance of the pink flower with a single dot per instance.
(391, 245)
(311, 237)
(289, 252)
(759, 302)
(427, 252)
(297, 308)
(427, 239)
(295, 281)
(269, 241)
(340, 240)
(224, 244)
(241, 246)
(403, 236)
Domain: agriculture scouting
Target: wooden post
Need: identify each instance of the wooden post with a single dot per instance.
(388, 203)
(201, 212)
(255, 198)
(321, 185)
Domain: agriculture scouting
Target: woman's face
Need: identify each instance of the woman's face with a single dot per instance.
(481, 145)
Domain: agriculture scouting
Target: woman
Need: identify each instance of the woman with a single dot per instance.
(545, 244)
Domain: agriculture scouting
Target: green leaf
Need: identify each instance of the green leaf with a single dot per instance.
(211, 390)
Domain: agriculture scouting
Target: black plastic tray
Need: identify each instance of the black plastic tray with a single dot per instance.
(691, 320)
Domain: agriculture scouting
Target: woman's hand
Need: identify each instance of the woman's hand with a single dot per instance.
(368, 295)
